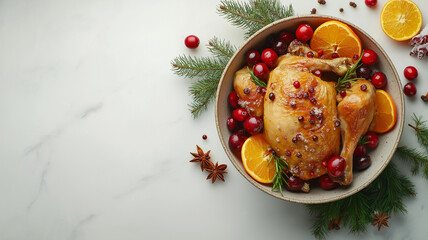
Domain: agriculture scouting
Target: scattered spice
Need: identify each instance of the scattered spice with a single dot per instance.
(335, 224)
(424, 98)
(322, 2)
(313, 11)
(353, 4)
(217, 171)
(341, 9)
(380, 219)
(203, 158)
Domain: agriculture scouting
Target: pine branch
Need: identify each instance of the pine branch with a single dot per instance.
(421, 130)
(252, 16)
(221, 49)
(202, 67)
(414, 157)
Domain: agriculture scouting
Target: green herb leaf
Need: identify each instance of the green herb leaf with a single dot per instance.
(255, 79)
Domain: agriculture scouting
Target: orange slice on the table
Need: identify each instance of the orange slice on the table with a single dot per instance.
(336, 37)
(255, 157)
(401, 19)
(386, 115)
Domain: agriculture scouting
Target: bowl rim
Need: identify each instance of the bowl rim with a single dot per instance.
(400, 118)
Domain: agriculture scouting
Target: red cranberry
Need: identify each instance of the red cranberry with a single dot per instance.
(269, 57)
(317, 73)
(311, 89)
(253, 125)
(304, 32)
(293, 104)
(294, 183)
(287, 153)
(336, 166)
(299, 155)
(280, 47)
(246, 90)
(313, 100)
(233, 99)
(362, 162)
(324, 163)
(272, 96)
(348, 85)
(364, 72)
(301, 118)
(379, 80)
(337, 123)
(311, 120)
(334, 55)
(231, 123)
(191, 41)
(236, 140)
(371, 3)
(204, 137)
(288, 37)
(253, 57)
(261, 71)
(343, 93)
(410, 73)
(320, 53)
(410, 89)
(360, 150)
(310, 54)
(326, 182)
(363, 87)
(315, 138)
(296, 84)
(240, 114)
(369, 57)
(294, 139)
(372, 139)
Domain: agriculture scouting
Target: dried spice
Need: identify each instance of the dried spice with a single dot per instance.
(341, 9)
(203, 158)
(322, 2)
(313, 11)
(217, 171)
(353, 4)
(424, 98)
(380, 220)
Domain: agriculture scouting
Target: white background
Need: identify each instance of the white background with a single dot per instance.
(95, 131)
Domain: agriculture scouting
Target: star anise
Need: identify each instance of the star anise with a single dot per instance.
(217, 171)
(203, 158)
(380, 219)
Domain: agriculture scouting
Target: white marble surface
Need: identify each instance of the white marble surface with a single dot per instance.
(95, 133)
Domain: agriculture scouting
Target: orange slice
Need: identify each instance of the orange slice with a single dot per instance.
(255, 157)
(386, 114)
(336, 37)
(401, 19)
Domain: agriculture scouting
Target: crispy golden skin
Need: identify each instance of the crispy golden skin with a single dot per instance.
(356, 111)
(251, 101)
(317, 141)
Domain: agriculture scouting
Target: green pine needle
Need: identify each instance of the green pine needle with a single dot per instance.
(221, 49)
(350, 75)
(416, 158)
(254, 15)
(421, 130)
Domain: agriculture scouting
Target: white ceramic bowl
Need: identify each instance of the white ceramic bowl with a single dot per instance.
(387, 142)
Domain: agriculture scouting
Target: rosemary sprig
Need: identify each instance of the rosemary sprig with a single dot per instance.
(280, 178)
(255, 79)
(421, 130)
(350, 75)
(362, 140)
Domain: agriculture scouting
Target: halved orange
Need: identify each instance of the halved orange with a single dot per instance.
(336, 37)
(386, 114)
(401, 19)
(255, 157)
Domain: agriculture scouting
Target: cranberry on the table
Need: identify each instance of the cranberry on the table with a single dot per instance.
(372, 139)
(204, 137)
(294, 183)
(233, 98)
(240, 114)
(371, 3)
(364, 72)
(410, 89)
(360, 150)
(253, 125)
(379, 80)
(253, 57)
(231, 123)
(326, 182)
(410, 73)
(288, 37)
(269, 57)
(336, 166)
(369, 57)
(304, 32)
(191, 41)
(280, 47)
(317, 73)
(236, 140)
(261, 71)
(362, 162)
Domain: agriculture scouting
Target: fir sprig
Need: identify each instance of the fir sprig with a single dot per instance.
(255, 79)
(252, 16)
(280, 178)
(421, 130)
(414, 157)
(350, 75)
